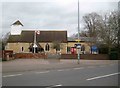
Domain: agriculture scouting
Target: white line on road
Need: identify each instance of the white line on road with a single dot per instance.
(98, 77)
(64, 70)
(61, 70)
(42, 72)
(112, 64)
(103, 66)
(91, 66)
(12, 75)
(54, 86)
(78, 68)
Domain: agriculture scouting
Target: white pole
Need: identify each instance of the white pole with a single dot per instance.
(78, 33)
(34, 41)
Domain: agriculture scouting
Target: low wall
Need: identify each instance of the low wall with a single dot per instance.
(86, 56)
(0, 54)
(7, 55)
(29, 55)
(63, 56)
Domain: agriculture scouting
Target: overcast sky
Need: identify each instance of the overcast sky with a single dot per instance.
(51, 14)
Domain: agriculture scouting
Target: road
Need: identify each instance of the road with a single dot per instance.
(100, 75)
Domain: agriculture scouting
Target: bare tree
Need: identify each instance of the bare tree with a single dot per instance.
(109, 30)
(84, 34)
(91, 23)
(4, 40)
(119, 28)
(104, 28)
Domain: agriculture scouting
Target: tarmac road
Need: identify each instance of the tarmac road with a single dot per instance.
(96, 75)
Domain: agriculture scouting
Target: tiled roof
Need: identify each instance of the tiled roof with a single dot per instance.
(44, 36)
(17, 23)
(84, 39)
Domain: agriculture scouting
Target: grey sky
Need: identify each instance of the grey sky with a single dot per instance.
(52, 14)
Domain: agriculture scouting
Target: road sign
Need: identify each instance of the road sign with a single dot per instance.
(94, 48)
(77, 45)
(35, 45)
(38, 32)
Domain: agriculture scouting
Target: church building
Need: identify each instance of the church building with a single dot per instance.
(37, 41)
(24, 40)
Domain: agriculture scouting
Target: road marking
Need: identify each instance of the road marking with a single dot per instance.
(54, 86)
(91, 66)
(61, 70)
(112, 64)
(78, 68)
(98, 77)
(42, 72)
(12, 75)
(64, 70)
(102, 66)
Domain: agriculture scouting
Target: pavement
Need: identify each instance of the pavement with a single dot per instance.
(23, 65)
(54, 73)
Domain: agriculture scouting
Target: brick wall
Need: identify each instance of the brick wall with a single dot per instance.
(0, 54)
(86, 56)
(30, 55)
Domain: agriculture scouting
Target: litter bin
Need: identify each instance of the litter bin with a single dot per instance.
(113, 55)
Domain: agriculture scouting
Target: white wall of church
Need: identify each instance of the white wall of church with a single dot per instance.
(16, 29)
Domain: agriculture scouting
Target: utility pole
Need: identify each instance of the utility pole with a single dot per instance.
(78, 34)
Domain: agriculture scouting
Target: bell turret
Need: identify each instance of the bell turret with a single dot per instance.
(16, 28)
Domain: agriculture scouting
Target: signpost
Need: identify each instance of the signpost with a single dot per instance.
(78, 46)
(35, 45)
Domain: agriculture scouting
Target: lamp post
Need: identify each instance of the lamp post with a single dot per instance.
(34, 46)
(78, 34)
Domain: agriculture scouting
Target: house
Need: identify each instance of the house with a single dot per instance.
(84, 42)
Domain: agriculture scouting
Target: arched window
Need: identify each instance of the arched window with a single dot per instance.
(22, 49)
(47, 47)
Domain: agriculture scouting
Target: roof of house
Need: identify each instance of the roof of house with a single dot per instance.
(17, 23)
(82, 39)
(44, 36)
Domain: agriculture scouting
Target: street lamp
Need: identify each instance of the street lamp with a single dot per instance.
(34, 46)
(78, 35)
